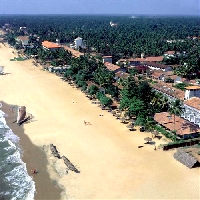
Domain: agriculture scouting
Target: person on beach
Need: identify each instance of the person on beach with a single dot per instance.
(85, 122)
(33, 171)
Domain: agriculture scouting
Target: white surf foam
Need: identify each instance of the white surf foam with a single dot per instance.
(21, 184)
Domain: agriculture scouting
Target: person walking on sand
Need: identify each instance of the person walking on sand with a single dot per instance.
(33, 171)
(85, 122)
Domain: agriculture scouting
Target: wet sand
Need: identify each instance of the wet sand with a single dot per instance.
(106, 153)
(35, 158)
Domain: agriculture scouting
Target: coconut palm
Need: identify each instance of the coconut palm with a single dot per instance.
(176, 109)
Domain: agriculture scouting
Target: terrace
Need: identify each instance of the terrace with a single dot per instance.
(183, 128)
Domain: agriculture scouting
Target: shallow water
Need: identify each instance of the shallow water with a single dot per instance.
(15, 183)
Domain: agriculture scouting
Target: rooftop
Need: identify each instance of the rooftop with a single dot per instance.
(169, 90)
(107, 56)
(111, 66)
(150, 59)
(182, 126)
(193, 87)
(158, 65)
(122, 75)
(23, 38)
(193, 102)
(157, 73)
(50, 45)
(170, 52)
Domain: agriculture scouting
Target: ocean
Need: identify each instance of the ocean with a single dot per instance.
(15, 183)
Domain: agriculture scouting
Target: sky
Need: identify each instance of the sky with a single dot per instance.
(133, 7)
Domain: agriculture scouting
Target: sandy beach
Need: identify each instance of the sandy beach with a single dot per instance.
(106, 153)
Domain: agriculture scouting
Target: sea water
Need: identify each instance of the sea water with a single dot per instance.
(15, 183)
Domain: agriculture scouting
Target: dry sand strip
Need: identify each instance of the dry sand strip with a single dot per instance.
(107, 155)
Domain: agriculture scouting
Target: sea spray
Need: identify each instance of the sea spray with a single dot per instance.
(15, 183)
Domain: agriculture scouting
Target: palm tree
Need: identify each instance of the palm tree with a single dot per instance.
(176, 108)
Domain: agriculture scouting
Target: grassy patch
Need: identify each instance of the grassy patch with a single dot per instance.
(181, 86)
(17, 59)
(20, 59)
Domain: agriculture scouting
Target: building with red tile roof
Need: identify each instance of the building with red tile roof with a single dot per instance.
(192, 91)
(169, 91)
(158, 66)
(183, 127)
(112, 67)
(121, 75)
(107, 59)
(23, 39)
(138, 61)
(50, 45)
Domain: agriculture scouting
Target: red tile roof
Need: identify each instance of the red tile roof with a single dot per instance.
(23, 38)
(157, 74)
(193, 87)
(50, 45)
(111, 66)
(122, 75)
(169, 90)
(150, 59)
(107, 56)
(158, 65)
(170, 52)
(193, 102)
(182, 126)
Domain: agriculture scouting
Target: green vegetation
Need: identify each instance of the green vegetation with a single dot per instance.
(175, 109)
(17, 59)
(181, 86)
(131, 38)
(166, 133)
(20, 59)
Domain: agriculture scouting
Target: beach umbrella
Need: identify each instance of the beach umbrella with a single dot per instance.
(130, 126)
(155, 133)
(148, 139)
(117, 116)
(127, 117)
(113, 112)
(123, 119)
(119, 111)
(131, 121)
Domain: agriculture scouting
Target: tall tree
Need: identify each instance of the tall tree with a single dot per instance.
(176, 109)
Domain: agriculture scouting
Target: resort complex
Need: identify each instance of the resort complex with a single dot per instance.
(111, 117)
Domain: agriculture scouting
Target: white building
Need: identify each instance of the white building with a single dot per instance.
(78, 42)
(107, 59)
(112, 24)
(24, 40)
(192, 91)
(192, 110)
(158, 66)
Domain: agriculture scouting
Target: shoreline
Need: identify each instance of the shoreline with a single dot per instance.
(106, 153)
(34, 157)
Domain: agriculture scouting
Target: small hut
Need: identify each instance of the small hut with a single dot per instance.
(185, 158)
